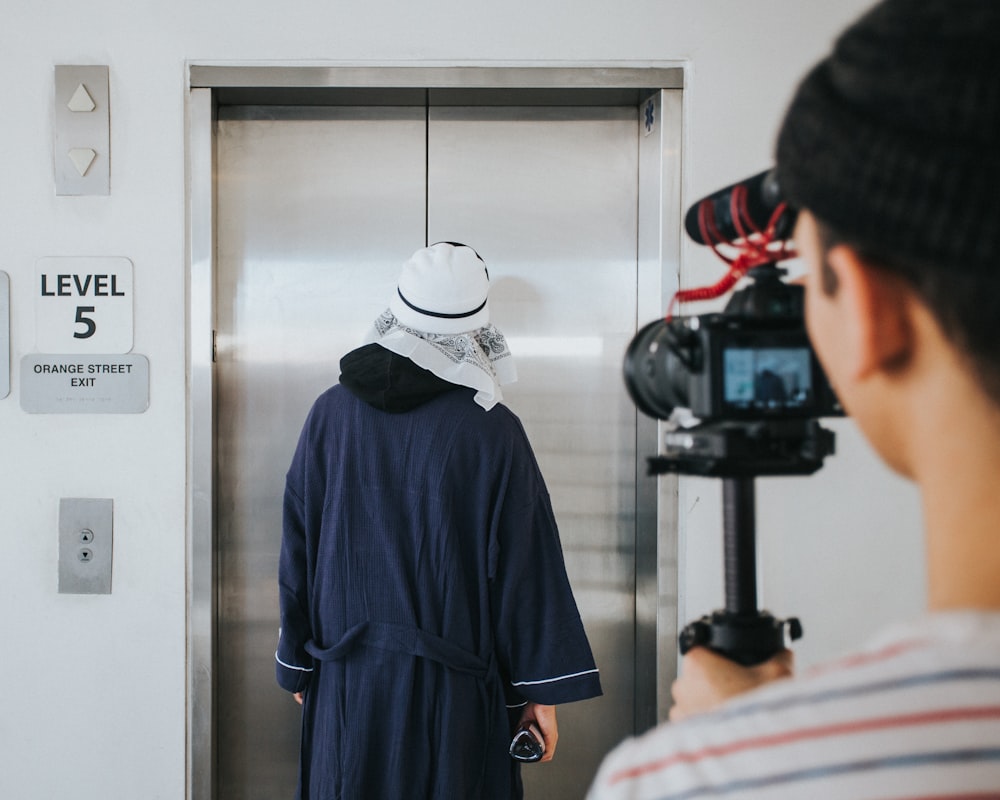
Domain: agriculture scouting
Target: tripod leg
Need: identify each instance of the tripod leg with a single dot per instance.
(740, 632)
(740, 541)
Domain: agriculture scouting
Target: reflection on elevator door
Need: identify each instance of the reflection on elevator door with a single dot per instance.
(316, 212)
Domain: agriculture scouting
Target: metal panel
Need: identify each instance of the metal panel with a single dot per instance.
(313, 216)
(460, 85)
(656, 497)
(549, 198)
(86, 539)
(465, 77)
(200, 447)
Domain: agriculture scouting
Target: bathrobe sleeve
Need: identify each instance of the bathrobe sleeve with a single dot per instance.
(293, 665)
(541, 644)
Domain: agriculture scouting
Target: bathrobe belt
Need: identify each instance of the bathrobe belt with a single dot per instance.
(403, 639)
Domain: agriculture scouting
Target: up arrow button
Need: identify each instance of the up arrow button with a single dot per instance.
(81, 100)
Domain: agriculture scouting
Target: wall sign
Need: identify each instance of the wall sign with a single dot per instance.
(83, 305)
(63, 384)
(4, 335)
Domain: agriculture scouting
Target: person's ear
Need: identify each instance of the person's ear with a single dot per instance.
(874, 314)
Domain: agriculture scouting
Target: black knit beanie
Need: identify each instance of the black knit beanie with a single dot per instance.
(894, 139)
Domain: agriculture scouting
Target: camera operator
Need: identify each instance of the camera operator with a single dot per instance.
(890, 153)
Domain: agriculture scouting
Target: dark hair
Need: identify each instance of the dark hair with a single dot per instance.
(965, 303)
(891, 142)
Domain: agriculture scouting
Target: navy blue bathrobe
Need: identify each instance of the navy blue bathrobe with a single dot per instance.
(423, 595)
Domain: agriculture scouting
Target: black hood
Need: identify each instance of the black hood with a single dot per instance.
(389, 382)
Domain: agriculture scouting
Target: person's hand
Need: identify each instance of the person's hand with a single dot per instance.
(299, 696)
(544, 718)
(708, 679)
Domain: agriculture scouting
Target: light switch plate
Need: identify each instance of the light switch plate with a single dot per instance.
(86, 528)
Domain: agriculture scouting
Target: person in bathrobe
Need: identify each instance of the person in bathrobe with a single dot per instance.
(425, 606)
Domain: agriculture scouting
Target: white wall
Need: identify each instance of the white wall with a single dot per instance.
(94, 687)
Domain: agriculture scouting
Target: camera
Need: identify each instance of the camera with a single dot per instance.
(751, 361)
(742, 388)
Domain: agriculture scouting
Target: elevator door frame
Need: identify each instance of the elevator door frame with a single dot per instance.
(658, 268)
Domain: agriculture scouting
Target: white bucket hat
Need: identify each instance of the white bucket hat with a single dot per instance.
(443, 288)
(439, 318)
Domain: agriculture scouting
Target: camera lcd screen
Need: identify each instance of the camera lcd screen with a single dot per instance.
(767, 379)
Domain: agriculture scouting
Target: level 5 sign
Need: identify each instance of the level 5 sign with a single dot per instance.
(83, 305)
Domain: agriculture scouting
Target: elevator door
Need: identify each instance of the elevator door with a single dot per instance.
(317, 208)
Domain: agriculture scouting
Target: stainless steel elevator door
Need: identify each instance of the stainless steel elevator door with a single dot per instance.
(312, 214)
(316, 210)
(548, 197)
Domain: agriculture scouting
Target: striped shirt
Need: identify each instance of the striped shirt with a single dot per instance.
(916, 715)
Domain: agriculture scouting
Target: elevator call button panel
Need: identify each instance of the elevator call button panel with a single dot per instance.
(82, 130)
(86, 535)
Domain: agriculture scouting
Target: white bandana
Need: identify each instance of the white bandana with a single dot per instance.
(478, 359)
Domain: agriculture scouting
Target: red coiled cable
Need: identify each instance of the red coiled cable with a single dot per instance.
(754, 246)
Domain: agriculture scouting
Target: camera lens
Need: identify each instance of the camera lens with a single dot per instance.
(655, 377)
